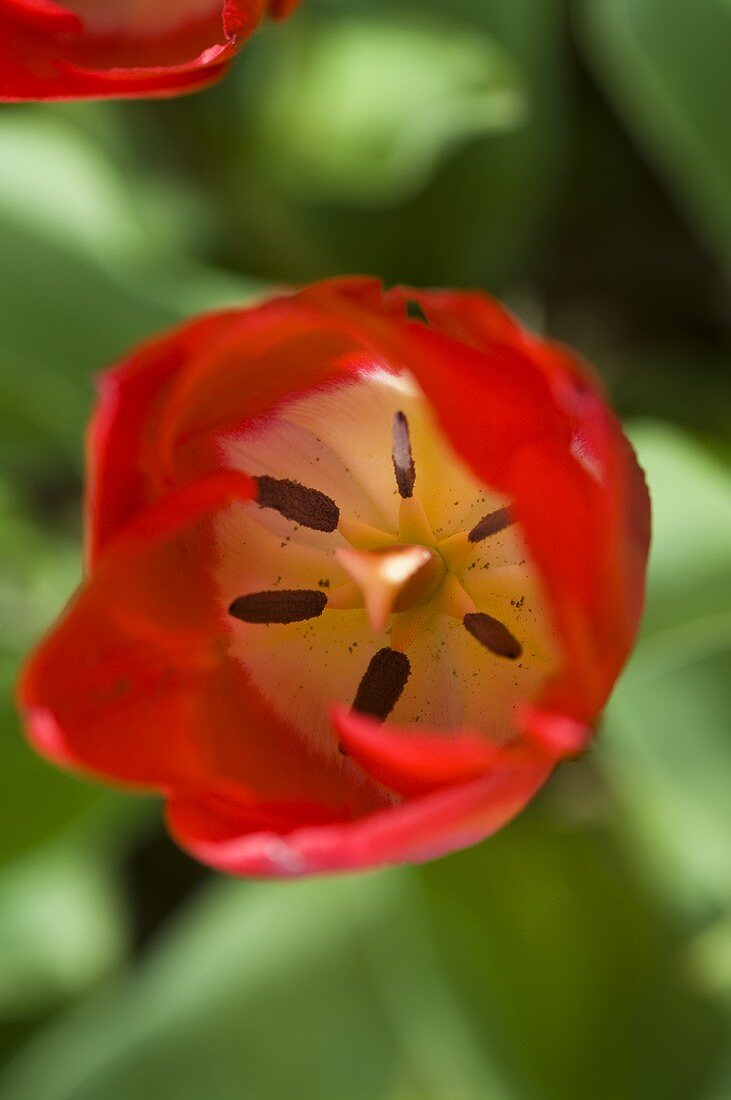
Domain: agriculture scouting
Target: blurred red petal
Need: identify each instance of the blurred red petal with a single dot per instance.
(413, 762)
(131, 395)
(421, 829)
(111, 688)
(49, 53)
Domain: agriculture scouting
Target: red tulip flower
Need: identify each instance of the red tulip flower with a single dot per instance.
(102, 48)
(363, 566)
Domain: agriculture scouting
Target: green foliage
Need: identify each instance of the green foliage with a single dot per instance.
(62, 927)
(286, 992)
(330, 131)
(35, 580)
(466, 103)
(667, 65)
(586, 950)
(667, 737)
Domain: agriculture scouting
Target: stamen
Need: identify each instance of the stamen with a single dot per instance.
(453, 600)
(403, 462)
(407, 626)
(383, 682)
(345, 597)
(286, 605)
(491, 524)
(308, 507)
(493, 634)
(361, 535)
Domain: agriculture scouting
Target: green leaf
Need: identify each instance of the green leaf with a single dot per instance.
(689, 578)
(452, 186)
(62, 927)
(86, 271)
(62, 318)
(364, 108)
(267, 991)
(565, 959)
(40, 569)
(667, 67)
(666, 743)
(83, 204)
(523, 969)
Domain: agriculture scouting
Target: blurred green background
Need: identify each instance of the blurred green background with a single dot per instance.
(576, 160)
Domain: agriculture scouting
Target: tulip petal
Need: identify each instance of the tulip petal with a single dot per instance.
(421, 829)
(545, 439)
(174, 668)
(130, 398)
(410, 762)
(48, 52)
(134, 683)
(132, 645)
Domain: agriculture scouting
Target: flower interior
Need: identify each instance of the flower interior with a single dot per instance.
(374, 570)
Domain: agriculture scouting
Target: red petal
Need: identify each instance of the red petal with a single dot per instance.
(275, 351)
(530, 420)
(35, 68)
(422, 829)
(204, 377)
(409, 762)
(557, 734)
(121, 460)
(110, 688)
(44, 15)
(46, 52)
(474, 319)
(134, 683)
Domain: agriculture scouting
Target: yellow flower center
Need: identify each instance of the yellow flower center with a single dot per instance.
(375, 570)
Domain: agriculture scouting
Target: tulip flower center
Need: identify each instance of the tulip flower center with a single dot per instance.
(373, 569)
(389, 579)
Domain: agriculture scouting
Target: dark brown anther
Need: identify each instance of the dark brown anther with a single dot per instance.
(308, 507)
(403, 461)
(293, 605)
(493, 634)
(491, 524)
(383, 682)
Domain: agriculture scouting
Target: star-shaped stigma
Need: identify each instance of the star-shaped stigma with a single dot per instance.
(401, 580)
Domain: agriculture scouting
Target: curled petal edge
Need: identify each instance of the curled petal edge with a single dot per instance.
(410, 763)
(412, 832)
(147, 529)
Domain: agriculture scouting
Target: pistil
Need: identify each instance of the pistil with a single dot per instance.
(392, 578)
